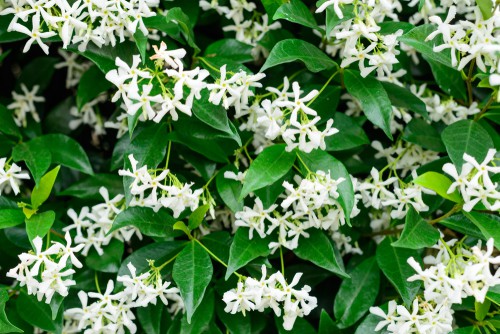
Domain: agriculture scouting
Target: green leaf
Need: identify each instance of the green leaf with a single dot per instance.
(416, 39)
(5, 325)
(493, 294)
(39, 224)
(421, 133)
(192, 273)
(150, 146)
(482, 309)
(159, 252)
(295, 11)
(290, 50)
(104, 56)
(42, 189)
(319, 250)
(88, 188)
(38, 314)
(196, 218)
(467, 330)
(417, 233)
(402, 98)
(200, 322)
(214, 116)
(332, 20)
(466, 136)
(351, 134)
(109, 261)
(11, 217)
(486, 8)
(141, 41)
(218, 242)
(243, 250)
(373, 98)
(271, 6)
(36, 157)
(391, 27)
(177, 15)
(370, 322)
(180, 226)
(394, 265)
(301, 326)
(463, 225)
(488, 224)
(235, 323)
(320, 160)
(230, 48)
(326, 324)
(440, 184)
(357, 294)
(269, 166)
(448, 79)
(153, 317)
(149, 222)
(67, 152)
(9, 36)
(229, 190)
(7, 124)
(92, 83)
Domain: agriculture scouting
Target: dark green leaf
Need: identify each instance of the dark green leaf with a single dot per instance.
(43, 188)
(37, 314)
(177, 15)
(11, 217)
(402, 98)
(373, 98)
(466, 136)
(463, 225)
(141, 41)
(482, 309)
(38, 72)
(88, 188)
(295, 11)
(104, 57)
(149, 222)
(326, 324)
(243, 250)
(271, 6)
(5, 325)
(200, 322)
(229, 190)
(358, 293)
(417, 233)
(218, 242)
(350, 134)
(318, 249)
(192, 273)
(67, 152)
(92, 83)
(488, 224)
(448, 79)
(230, 48)
(39, 224)
(290, 50)
(269, 166)
(152, 317)
(370, 322)
(393, 263)
(7, 124)
(421, 133)
(332, 20)
(36, 157)
(109, 261)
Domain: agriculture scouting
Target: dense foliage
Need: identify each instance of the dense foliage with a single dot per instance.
(193, 166)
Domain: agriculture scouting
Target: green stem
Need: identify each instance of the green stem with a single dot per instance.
(167, 262)
(217, 258)
(323, 88)
(282, 261)
(96, 280)
(485, 109)
(456, 208)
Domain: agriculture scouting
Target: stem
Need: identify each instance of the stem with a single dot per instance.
(323, 88)
(217, 258)
(303, 163)
(469, 81)
(169, 148)
(456, 208)
(282, 261)
(209, 65)
(485, 109)
(96, 280)
(167, 262)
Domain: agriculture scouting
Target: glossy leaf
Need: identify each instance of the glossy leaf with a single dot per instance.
(421, 133)
(149, 222)
(42, 190)
(5, 325)
(91, 84)
(7, 124)
(39, 224)
(243, 250)
(488, 224)
(417, 233)
(110, 259)
(373, 98)
(295, 11)
(11, 217)
(440, 184)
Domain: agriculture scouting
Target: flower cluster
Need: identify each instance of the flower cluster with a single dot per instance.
(10, 176)
(287, 116)
(153, 102)
(24, 104)
(112, 312)
(249, 31)
(314, 203)
(468, 41)
(455, 272)
(474, 181)
(92, 225)
(273, 292)
(46, 272)
(163, 190)
(78, 22)
(359, 39)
